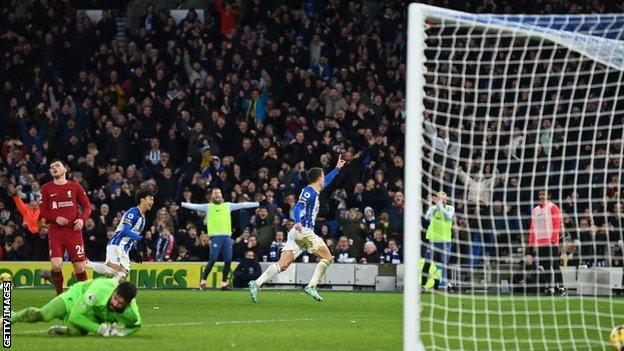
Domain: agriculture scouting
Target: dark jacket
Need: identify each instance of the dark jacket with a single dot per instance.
(246, 271)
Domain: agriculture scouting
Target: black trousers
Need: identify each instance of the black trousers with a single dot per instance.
(550, 259)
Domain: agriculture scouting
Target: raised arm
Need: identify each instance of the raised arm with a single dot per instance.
(463, 177)
(430, 212)
(447, 211)
(19, 204)
(242, 205)
(331, 175)
(195, 207)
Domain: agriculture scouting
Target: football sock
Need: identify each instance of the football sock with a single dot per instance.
(57, 278)
(101, 268)
(268, 274)
(320, 270)
(82, 276)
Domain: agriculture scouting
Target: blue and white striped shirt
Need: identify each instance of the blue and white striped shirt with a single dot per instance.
(129, 229)
(307, 207)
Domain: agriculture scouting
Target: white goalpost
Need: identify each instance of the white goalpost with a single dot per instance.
(499, 107)
(413, 171)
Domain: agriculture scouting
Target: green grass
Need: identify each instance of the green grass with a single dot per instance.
(536, 323)
(215, 320)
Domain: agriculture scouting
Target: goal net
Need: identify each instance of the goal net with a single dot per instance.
(507, 106)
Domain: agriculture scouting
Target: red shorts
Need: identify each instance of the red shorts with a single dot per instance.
(67, 240)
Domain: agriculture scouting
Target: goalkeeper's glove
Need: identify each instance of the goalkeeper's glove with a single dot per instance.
(116, 332)
(104, 330)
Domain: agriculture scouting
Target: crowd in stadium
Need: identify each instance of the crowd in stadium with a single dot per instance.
(246, 101)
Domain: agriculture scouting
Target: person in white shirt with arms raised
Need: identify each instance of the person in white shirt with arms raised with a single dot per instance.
(301, 237)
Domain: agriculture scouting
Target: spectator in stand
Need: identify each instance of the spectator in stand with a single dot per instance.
(95, 241)
(247, 270)
(391, 254)
(182, 254)
(275, 250)
(369, 222)
(31, 214)
(395, 215)
(164, 245)
(528, 279)
(344, 252)
(379, 240)
(569, 257)
(247, 242)
(370, 254)
(353, 228)
(330, 76)
(202, 250)
(17, 250)
(229, 18)
(263, 223)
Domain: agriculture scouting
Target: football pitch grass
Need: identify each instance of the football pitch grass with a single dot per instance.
(291, 320)
(218, 320)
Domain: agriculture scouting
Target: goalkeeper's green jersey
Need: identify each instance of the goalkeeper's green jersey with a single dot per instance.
(87, 306)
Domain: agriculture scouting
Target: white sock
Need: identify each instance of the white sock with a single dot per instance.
(120, 276)
(102, 268)
(268, 274)
(223, 283)
(319, 272)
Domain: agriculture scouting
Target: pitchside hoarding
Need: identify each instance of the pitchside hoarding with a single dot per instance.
(151, 275)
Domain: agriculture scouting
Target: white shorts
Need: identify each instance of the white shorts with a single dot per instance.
(116, 254)
(304, 241)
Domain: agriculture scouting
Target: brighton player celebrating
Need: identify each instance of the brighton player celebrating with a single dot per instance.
(219, 228)
(126, 235)
(96, 306)
(301, 237)
(59, 207)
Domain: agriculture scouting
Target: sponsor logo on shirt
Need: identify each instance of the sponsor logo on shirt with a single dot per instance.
(62, 204)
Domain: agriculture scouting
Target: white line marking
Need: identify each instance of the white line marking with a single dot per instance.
(251, 321)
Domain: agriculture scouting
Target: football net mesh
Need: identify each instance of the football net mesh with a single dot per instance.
(513, 104)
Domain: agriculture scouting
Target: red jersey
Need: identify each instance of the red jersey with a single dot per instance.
(545, 225)
(62, 201)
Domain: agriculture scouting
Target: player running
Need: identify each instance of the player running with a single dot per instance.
(301, 237)
(219, 229)
(127, 234)
(59, 207)
(89, 306)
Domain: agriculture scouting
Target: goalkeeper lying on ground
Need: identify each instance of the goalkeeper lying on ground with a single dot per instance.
(100, 306)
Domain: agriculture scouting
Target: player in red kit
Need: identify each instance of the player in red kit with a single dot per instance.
(59, 207)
